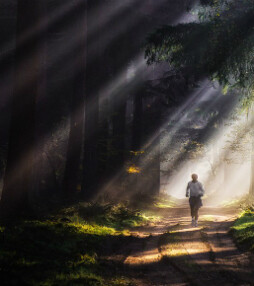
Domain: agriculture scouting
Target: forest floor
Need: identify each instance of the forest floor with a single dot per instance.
(171, 252)
(116, 245)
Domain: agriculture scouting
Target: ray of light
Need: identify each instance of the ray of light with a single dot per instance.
(117, 84)
(236, 183)
(52, 18)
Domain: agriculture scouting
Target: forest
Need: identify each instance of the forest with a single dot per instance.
(126, 142)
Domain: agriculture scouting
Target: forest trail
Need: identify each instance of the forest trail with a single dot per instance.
(171, 252)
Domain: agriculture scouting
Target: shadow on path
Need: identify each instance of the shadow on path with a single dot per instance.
(174, 253)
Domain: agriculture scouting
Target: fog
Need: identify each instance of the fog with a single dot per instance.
(221, 160)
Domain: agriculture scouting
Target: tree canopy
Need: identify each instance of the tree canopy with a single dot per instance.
(219, 44)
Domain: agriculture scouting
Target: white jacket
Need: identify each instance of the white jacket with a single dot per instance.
(194, 189)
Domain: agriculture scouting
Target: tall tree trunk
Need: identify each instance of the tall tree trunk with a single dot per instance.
(137, 120)
(90, 154)
(17, 188)
(8, 21)
(103, 143)
(118, 112)
(41, 97)
(73, 160)
(118, 122)
(155, 164)
(151, 169)
(136, 181)
(90, 157)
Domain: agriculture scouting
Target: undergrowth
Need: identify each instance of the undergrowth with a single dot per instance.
(118, 216)
(164, 202)
(68, 247)
(243, 229)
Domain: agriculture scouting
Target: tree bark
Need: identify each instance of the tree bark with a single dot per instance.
(154, 188)
(18, 189)
(90, 157)
(73, 157)
(137, 121)
(90, 154)
(118, 122)
(103, 149)
(151, 172)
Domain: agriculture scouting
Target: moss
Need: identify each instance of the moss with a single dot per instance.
(116, 217)
(164, 202)
(65, 249)
(243, 230)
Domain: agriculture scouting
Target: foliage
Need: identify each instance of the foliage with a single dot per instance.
(115, 216)
(133, 169)
(243, 229)
(49, 253)
(219, 45)
(164, 202)
(66, 249)
(239, 143)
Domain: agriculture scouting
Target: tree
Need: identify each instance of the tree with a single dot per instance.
(219, 45)
(18, 189)
(90, 154)
(77, 99)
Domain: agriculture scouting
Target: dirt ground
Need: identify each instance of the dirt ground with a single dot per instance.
(172, 252)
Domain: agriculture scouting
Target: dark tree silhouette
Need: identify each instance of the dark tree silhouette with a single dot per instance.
(93, 85)
(77, 99)
(137, 119)
(18, 188)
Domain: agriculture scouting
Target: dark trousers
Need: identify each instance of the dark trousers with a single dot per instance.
(195, 204)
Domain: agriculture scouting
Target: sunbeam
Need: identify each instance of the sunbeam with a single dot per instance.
(126, 142)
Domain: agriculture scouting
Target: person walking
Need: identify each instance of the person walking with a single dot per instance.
(195, 191)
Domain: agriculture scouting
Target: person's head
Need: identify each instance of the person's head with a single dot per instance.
(194, 177)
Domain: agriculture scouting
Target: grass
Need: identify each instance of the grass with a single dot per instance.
(154, 203)
(68, 247)
(116, 216)
(242, 202)
(243, 229)
(164, 202)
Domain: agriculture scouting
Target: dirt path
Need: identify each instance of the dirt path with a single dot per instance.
(174, 253)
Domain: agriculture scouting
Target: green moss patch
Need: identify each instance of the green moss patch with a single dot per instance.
(67, 248)
(243, 230)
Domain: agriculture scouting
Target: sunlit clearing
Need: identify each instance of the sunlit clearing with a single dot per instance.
(225, 174)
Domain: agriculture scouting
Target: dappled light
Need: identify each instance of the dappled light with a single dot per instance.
(133, 170)
(126, 142)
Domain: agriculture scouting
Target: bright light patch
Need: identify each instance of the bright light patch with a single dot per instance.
(133, 170)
